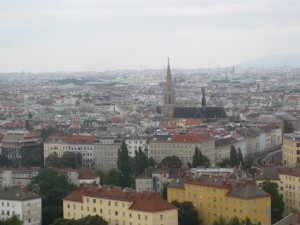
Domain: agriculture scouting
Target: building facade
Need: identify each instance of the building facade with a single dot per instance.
(291, 149)
(16, 201)
(215, 196)
(119, 206)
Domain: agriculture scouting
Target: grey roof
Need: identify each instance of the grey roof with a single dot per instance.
(199, 112)
(289, 219)
(269, 173)
(16, 193)
(225, 142)
(246, 190)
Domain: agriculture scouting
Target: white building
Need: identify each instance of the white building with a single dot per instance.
(134, 143)
(17, 201)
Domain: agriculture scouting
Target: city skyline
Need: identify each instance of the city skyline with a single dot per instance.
(81, 35)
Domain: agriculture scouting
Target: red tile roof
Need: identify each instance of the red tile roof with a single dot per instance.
(192, 138)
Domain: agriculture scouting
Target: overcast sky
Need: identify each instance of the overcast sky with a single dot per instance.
(76, 35)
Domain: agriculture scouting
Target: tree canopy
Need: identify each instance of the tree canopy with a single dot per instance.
(140, 162)
(68, 159)
(234, 221)
(124, 166)
(277, 204)
(187, 214)
(199, 159)
(88, 220)
(52, 186)
(14, 220)
(171, 162)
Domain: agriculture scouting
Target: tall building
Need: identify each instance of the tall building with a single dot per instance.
(291, 148)
(215, 196)
(119, 206)
(169, 95)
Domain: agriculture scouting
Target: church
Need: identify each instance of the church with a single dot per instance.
(172, 112)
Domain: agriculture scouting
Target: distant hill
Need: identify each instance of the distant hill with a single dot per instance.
(292, 60)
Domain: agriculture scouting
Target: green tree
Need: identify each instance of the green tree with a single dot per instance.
(151, 162)
(33, 157)
(233, 157)
(240, 157)
(123, 166)
(224, 163)
(248, 164)
(71, 159)
(199, 159)
(220, 221)
(88, 220)
(53, 160)
(140, 162)
(288, 127)
(52, 186)
(14, 220)
(187, 214)
(171, 162)
(277, 204)
(49, 131)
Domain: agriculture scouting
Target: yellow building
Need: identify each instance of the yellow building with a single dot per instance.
(291, 149)
(214, 196)
(120, 206)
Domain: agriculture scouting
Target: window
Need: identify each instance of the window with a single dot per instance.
(94, 200)
(94, 209)
(146, 217)
(81, 207)
(116, 213)
(129, 215)
(139, 216)
(116, 204)
(108, 203)
(101, 211)
(161, 217)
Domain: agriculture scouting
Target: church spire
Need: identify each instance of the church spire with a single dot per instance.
(169, 78)
(203, 97)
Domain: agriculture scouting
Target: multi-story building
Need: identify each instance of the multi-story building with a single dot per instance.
(21, 176)
(100, 152)
(154, 179)
(182, 146)
(17, 201)
(223, 148)
(215, 196)
(134, 143)
(15, 143)
(119, 206)
(291, 149)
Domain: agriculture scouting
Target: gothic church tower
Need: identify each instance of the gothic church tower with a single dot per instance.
(169, 96)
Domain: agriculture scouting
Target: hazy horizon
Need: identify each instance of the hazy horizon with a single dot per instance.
(76, 35)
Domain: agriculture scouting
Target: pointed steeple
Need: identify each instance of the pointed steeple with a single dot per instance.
(203, 98)
(169, 78)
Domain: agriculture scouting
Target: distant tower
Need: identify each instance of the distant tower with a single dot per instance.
(203, 97)
(169, 95)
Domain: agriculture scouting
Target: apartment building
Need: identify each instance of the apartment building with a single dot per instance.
(291, 149)
(134, 143)
(119, 206)
(10, 177)
(98, 151)
(215, 196)
(181, 145)
(17, 201)
(14, 143)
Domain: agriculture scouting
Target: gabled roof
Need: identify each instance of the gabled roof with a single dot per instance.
(16, 194)
(199, 113)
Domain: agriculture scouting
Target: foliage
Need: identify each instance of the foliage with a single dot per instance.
(123, 166)
(240, 157)
(199, 159)
(52, 187)
(277, 204)
(234, 221)
(33, 157)
(4, 161)
(88, 220)
(234, 162)
(288, 127)
(224, 163)
(171, 162)
(14, 220)
(48, 131)
(140, 162)
(69, 159)
(248, 164)
(187, 214)
(151, 162)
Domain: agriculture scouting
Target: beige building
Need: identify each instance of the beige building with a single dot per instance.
(119, 206)
(182, 146)
(291, 149)
(134, 143)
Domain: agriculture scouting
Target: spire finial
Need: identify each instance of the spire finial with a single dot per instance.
(168, 60)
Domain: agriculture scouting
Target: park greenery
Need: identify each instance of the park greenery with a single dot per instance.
(187, 214)
(88, 220)
(52, 187)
